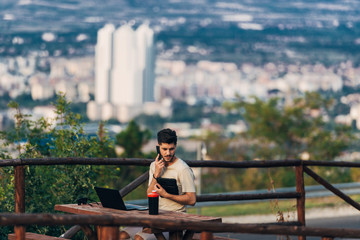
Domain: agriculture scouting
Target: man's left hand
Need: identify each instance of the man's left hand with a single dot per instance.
(160, 190)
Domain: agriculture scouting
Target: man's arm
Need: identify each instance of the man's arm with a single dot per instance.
(151, 185)
(159, 165)
(189, 198)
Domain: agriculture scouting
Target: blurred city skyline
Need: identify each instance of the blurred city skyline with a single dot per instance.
(230, 31)
(206, 52)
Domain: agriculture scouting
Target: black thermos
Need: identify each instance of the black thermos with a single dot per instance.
(153, 198)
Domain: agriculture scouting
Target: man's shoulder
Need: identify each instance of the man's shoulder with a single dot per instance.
(182, 164)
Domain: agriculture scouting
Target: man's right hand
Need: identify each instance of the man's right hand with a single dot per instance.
(159, 165)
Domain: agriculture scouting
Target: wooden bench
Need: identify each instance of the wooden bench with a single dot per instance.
(34, 236)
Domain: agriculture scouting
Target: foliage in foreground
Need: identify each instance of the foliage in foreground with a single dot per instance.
(62, 136)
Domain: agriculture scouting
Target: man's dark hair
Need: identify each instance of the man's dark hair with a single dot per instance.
(167, 136)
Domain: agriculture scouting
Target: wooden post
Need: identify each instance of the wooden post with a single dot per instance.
(300, 201)
(206, 236)
(108, 232)
(20, 199)
(327, 238)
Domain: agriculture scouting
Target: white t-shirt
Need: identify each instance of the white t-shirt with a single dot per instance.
(184, 176)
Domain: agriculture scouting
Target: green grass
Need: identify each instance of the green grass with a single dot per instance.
(287, 207)
(246, 209)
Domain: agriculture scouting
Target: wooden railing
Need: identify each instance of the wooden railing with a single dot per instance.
(215, 227)
(299, 195)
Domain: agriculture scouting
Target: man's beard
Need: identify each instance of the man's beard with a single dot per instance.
(169, 158)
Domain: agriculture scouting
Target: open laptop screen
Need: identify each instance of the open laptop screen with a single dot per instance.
(111, 198)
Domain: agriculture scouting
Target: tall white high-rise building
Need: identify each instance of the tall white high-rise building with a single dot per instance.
(103, 63)
(145, 43)
(125, 75)
(124, 69)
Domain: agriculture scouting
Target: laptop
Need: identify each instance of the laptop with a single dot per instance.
(111, 198)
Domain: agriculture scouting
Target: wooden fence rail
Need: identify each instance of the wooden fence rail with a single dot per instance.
(146, 162)
(191, 163)
(299, 165)
(259, 196)
(115, 220)
(332, 188)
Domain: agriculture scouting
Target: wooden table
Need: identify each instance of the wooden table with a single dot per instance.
(111, 232)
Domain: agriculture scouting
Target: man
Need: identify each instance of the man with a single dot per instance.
(169, 166)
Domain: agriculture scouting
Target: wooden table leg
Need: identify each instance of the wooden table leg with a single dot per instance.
(160, 236)
(188, 235)
(157, 232)
(175, 235)
(206, 236)
(89, 232)
(108, 232)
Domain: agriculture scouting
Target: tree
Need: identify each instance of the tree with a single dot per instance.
(48, 185)
(289, 129)
(132, 139)
(296, 129)
(223, 149)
